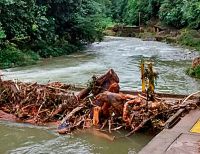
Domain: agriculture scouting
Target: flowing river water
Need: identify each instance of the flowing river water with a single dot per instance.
(121, 54)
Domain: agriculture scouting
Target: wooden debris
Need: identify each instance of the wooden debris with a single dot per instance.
(100, 105)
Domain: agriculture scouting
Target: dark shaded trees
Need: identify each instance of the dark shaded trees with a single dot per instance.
(179, 13)
(49, 27)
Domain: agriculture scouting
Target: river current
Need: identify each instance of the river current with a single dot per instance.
(121, 54)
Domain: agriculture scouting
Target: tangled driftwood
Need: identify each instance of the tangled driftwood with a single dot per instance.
(100, 105)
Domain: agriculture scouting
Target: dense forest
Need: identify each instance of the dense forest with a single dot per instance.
(30, 29)
(33, 29)
(179, 13)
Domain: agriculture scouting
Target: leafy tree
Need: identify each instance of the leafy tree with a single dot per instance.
(171, 13)
(117, 9)
(24, 20)
(191, 13)
(181, 13)
(2, 34)
(76, 20)
(127, 11)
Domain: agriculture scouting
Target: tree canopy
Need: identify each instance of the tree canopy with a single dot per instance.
(179, 13)
(48, 28)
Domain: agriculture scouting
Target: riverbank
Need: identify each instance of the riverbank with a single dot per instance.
(188, 38)
(12, 56)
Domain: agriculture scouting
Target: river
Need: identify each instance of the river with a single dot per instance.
(121, 54)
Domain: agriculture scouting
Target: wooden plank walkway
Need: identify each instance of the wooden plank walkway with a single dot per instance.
(177, 140)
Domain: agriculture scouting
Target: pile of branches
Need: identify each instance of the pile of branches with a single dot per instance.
(100, 105)
(36, 103)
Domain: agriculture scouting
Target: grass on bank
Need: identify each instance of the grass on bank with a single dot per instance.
(12, 56)
(190, 38)
(194, 72)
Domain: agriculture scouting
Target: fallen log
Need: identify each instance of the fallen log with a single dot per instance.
(68, 116)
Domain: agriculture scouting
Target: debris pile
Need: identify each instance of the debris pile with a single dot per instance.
(100, 105)
(35, 103)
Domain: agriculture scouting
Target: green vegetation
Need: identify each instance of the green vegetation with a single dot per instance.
(34, 29)
(181, 13)
(127, 11)
(11, 56)
(190, 38)
(30, 29)
(174, 14)
(194, 72)
(177, 13)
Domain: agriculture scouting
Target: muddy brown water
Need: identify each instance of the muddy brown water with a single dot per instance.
(121, 54)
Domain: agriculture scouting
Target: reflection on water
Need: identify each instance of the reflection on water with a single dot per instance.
(121, 54)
